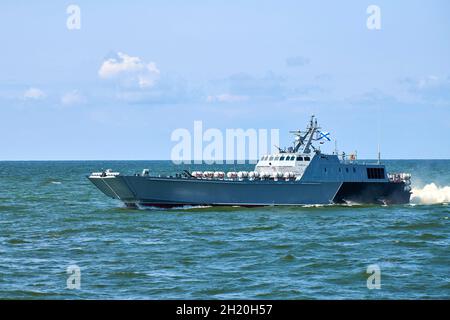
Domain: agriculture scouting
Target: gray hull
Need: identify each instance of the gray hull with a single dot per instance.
(170, 192)
(152, 191)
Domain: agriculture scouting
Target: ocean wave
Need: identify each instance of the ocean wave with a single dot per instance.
(191, 207)
(314, 205)
(431, 194)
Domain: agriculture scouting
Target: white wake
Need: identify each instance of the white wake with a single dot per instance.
(430, 194)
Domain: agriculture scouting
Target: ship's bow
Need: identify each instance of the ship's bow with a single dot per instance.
(113, 185)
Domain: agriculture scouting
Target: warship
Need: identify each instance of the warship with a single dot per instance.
(298, 175)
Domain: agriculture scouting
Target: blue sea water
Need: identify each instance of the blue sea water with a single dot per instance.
(51, 217)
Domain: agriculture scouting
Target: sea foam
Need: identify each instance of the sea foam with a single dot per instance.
(430, 194)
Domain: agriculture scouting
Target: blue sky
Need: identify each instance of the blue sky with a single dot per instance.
(137, 70)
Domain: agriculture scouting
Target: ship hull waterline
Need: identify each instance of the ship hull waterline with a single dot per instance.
(137, 191)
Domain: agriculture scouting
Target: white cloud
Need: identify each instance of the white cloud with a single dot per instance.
(226, 97)
(130, 70)
(429, 89)
(34, 94)
(145, 81)
(71, 98)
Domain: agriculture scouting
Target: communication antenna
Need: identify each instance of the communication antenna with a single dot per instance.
(379, 153)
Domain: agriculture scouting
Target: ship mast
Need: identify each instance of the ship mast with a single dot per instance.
(308, 136)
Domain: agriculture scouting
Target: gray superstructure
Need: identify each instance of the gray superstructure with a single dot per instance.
(300, 175)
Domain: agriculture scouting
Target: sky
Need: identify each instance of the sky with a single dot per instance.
(134, 71)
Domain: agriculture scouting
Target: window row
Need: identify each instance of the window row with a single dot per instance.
(284, 158)
(347, 169)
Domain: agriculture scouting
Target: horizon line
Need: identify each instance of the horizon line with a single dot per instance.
(193, 160)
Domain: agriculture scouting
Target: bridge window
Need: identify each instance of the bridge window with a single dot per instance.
(299, 158)
(354, 170)
(270, 158)
(340, 169)
(307, 159)
(292, 158)
(277, 158)
(375, 173)
(346, 169)
(282, 158)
